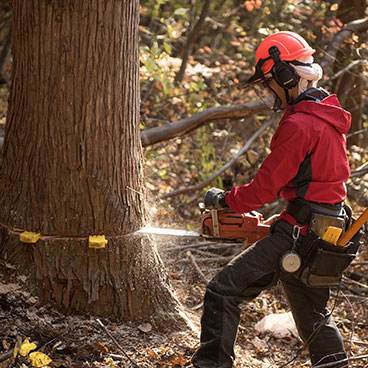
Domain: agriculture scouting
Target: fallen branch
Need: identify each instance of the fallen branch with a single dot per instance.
(191, 246)
(350, 296)
(346, 279)
(203, 184)
(208, 260)
(195, 266)
(14, 352)
(359, 263)
(184, 126)
(116, 343)
(6, 355)
(346, 360)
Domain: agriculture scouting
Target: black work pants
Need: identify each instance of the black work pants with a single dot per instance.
(243, 279)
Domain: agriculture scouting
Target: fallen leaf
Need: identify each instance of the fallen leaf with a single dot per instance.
(5, 289)
(145, 327)
(38, 359)
(101, 346)
(26, 347)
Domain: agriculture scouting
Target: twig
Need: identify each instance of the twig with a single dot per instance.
(13, 352)
(351, 65)
(116, 344)
(6, 355)
(360, 171)
(195, 265)
(187, 246)
(206, 246)
(357, 297)
(204, 253)
(359, 263)
(359, 342)
(357, 132)
(207, 260)
(203, 184)
(355, 282)
(333, 364)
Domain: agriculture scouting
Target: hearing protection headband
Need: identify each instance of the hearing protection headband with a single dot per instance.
(283, 73)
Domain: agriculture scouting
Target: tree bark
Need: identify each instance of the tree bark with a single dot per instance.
(72, 162)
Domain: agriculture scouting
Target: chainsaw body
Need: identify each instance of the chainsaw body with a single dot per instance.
(226, 224)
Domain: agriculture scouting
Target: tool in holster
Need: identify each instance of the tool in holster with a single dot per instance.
(320, 223)
(326, 227)
(332, 234)
(354, 228)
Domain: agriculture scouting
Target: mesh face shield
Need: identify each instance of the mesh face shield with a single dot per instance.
(260, 84)
(267, 94)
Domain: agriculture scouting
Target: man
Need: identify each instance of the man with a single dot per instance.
(307, 166)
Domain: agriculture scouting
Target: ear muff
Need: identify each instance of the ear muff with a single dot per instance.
(284, 74)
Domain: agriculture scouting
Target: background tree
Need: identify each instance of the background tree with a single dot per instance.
(72, 163)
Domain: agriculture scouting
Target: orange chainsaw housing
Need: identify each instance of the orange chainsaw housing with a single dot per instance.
(248, 227)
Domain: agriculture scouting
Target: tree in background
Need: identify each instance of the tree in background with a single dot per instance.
(72, 163)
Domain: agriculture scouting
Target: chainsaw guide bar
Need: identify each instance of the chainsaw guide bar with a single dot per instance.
(222, 225)
(170, 232)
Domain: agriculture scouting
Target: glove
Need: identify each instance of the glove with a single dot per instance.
(215, 198)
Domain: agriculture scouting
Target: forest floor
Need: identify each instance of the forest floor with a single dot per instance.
(79, 341)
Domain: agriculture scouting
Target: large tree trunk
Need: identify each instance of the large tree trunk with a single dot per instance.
(72, 160)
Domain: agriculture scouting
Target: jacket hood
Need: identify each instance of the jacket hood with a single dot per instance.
(326, 107)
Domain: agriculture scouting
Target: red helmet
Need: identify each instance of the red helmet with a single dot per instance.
(291, 47)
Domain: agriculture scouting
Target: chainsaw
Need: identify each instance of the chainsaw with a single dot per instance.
(223, 225)
(228, 225)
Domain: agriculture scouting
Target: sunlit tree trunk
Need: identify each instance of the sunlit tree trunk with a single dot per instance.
(72, 160)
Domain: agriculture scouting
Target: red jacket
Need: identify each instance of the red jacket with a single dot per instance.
(308, 158)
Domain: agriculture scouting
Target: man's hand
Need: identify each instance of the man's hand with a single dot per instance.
(215, 198)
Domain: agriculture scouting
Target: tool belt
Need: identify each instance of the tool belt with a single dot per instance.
(323, 263)
(303, 210)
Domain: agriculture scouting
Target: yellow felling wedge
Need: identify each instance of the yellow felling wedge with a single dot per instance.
(97, 241)
(332, 234)
(29, 237)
